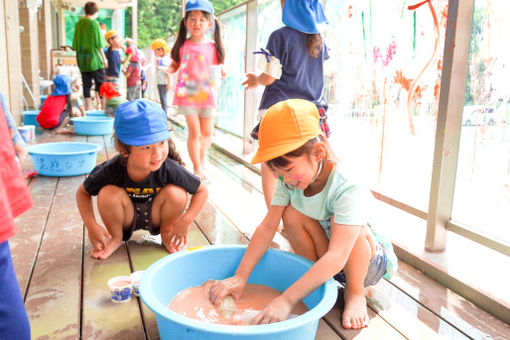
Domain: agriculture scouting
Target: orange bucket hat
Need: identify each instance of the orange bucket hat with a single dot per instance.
(285, 127)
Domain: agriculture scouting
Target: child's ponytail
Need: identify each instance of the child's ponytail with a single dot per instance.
(220, 50)
(314, 44)
(179, 41)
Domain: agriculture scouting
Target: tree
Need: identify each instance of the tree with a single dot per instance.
(161, 18)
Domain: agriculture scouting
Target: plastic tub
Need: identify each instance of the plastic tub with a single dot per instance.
(63, 159)
(96, 113)
(93, 125)
(277, 269)
(29, 117)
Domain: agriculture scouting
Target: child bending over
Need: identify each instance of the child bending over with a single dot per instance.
(324, 215)
(144, 187)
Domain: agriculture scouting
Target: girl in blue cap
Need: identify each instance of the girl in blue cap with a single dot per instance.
(58, 107)
(197, 58)
(292, 67)
(144, 187)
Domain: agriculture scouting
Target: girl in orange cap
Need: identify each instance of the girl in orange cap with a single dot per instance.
(324, 214)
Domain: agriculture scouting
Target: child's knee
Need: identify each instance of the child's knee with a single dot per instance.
(174, 194)
(111, 193)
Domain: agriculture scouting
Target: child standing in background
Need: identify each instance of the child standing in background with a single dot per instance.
(325, 216)
(292, 67)
(143, 77)
(113, 56)
(161, 50)
(144, 187)
(133, 73)
(197, 59)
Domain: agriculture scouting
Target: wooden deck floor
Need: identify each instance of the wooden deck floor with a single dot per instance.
(67, 298)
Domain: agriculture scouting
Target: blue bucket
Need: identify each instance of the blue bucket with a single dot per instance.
(93, 125)
(96, 113)
(29, 117)
(277, 269)
(63, 159)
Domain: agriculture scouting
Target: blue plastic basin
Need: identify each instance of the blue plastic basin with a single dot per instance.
(63, 159)
(93, 125)
(277, 269)
(96, 113)
(29, 117)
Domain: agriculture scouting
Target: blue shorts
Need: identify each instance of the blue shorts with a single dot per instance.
(376, 268)
(13, 317)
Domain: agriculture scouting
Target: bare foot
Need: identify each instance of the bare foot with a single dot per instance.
(355, 313)
(65, 130)
(111, 246)
(174, 240)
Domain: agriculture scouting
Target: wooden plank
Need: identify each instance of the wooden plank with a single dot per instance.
(217, 228)
(54, 293)
(453, 308)
(103, 319)
(25, 244)
(409, 317)
(377, 327)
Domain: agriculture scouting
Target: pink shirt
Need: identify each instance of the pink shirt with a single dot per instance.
(13, 189)
(193, 87)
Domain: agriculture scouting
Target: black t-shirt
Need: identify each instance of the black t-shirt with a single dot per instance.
(112, 172)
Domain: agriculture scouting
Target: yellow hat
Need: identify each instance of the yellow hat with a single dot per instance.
(110, 34)
(160, 43)
(285, 127)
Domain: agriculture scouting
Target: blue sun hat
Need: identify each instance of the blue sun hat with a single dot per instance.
(304, 15)
(62, 85)
(199, 5)
(140, 122)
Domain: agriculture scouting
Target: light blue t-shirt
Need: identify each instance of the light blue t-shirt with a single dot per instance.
(347, 202)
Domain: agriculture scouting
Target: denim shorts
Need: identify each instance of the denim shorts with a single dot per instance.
(142, 219)
(376, 268)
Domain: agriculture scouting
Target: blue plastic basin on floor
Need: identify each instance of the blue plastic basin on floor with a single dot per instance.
(96, 113)
(64, 158)
(93, 125)
(277, 269)
(29, 117)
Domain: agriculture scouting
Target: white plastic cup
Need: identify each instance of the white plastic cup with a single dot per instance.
(135, 277)
(27, 132)
(120, 288)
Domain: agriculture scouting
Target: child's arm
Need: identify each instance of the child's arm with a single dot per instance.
(196, 203)
(258, 245)
(252, 80)
(342, 241)
(105, 61)
(97, 234)
(173, 67)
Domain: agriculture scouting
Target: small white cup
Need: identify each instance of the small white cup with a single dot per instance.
(135, 277)
(120, 288)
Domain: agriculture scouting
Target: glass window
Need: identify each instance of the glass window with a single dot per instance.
(382, 85)
(482, 188)
(231, 94)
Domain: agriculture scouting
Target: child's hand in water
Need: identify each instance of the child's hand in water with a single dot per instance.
(276, 311)
(232, 286)
(99, 237)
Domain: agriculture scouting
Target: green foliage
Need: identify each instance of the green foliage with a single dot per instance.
(161, 18)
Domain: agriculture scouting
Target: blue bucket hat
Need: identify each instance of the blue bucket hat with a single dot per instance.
(304, 15)
(140, 122)
(62, 85)
(199, 5)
